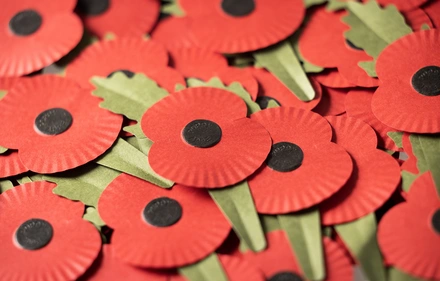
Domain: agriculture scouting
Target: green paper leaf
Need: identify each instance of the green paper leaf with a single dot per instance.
(241, 60)
(336, 5)
(142, 142)
(172, 8)
(304, 232)
(269, 223)
(5, 185)
(397, 138)
(395, 274)
(126, 158)
(24, 180)
(130, 97)
(208, 269)
(3, 149)
(407, 180)
(360, 238)
(309, 3)
(272, 104)
(3, 93)
(282, 61)
(234, 87)
(92, 216)
(369, 67)
(238, 206)
(425, 26)
(84, 184)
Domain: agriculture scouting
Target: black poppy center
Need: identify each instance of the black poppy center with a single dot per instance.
(285, 276)
(353, 46)
(34, 234)
(285, 157)
(263, 101)
(426, 81)
(163, 212)
(25, 22)
(93, 7)
(436, 221)
(127, 73)
(53, 121)
(202, 133)
(238, 8)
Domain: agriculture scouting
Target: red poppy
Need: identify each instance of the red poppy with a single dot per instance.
(131, 55)
(408, 98)
(403, 5)
(185, 218)
(278, 260)
(409, 234)
(207, 138)
(43, 235)
(120, 17)
(6, 83)
(236, 269)
(432, 8)
(55, 125)
(10, 164)
(322, 42)
(108, 267)
(331, 77)
(35, 34)
(375, 177)
(417, 18)
(243, 27)
(303, 168)
(173, 32)
(358, 104)
(332, 102)
(272, 88)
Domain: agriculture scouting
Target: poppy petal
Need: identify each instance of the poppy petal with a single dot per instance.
(332, 102)
(333, 79)
(403, 5)
(10, 164)
(417, 18)
(173, 32)
(432, 8)
(200, 230)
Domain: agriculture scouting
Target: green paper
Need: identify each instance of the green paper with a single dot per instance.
(360, 238)
(92, 216)
(126, 158)
(369, 67)
(309, 3)
(234, 87)
(208, 269)
(395, 274)
(240, 60)
(24, 180)
(172, 8)
(272, 104)
(282, 61)
(5, 185)
(304, 232)
(336, 5)
(269, 223)
(426, 148)
(84, 184)
(3, 149)
(397, 138)
(3, 93)
(238, 206)
(407, 180)
(425, 26)
(307, 66)
(142, 142)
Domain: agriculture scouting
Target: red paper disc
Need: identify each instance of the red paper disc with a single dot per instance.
(406, 234)
(375, 177)
(279, 257)
(59, 32)
(333, 79)
(325, 167)
(74, 241)
(417, 18)
(124, 18)
(396, 102)
(10, 164)
(271, 87)
(432, 8)
(332, 102)
(92, 131)
(173, 32)
(199, 231)
(243, 146)
(403, 5)
(265, 25)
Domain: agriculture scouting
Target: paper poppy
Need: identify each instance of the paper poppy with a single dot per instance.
(403, 5)
(109, 267)
(236, 269)
(10, 164)
(408, 98)
(6, 83)
(278, 261)
(375, 177)
(417, 18)
(270, 88)
(120, 17)
(432, 8)
(55, 124)
(130, 55)
(173, 32)
(322, 42)
(409, 234)
(242, 26)
(185, 218)
(332, 102)
(207, 138)
(358, 104)
(44, 235)
(303, 168)
(331, 77)
(35, 34)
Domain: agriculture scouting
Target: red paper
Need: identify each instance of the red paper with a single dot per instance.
(332, 78)
(403, 5)
(432, 8)
(417, 18)
(332, 102)
(10, 164)
(173, 32)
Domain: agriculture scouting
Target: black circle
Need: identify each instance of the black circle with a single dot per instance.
(202, 133)
(34, 234)
(353, 46)
(25, 22)
(163, 212)
(285, 157)
(426, 81)
(238, 8)
(263, 101)
(53, 121)
(285, 276)
(92, 7)
(127, 73)
(436, 221)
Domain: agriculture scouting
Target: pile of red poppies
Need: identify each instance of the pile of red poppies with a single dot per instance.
(216, 140)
